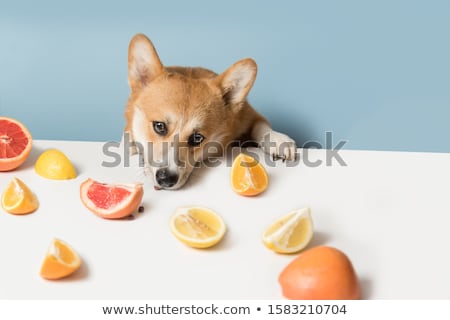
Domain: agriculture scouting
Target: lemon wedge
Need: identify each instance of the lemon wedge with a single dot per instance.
(53, 164)
(290, 233)
(197, 227)
(18, 198)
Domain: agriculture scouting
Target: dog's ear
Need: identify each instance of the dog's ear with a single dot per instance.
(143, 62)
(237, 81)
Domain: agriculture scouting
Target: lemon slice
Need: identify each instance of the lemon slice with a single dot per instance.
(53, 164)
(197, 227)
(290, 233)
(60, 261)
(18, 198)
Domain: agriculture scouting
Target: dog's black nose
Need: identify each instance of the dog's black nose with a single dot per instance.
(165, 178)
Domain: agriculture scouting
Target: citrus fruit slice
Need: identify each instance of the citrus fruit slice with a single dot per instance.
(197, 227)
(60, 261)
(290, 233)
(320, 273)
(18, 198)
(15, 143)
(111, 201)
(53, 164)
(248, 176)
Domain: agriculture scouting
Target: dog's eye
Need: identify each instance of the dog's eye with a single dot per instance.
(160, 128)
(195, 139)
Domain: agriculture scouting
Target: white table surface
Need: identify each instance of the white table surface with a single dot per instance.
(388, 211)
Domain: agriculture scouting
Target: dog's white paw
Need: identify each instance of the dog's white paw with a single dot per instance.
(279, 146)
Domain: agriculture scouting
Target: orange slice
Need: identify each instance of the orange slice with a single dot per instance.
(111, 201)
(60, 261)
(197, 227)
(15, 144)
(18, 198)
(248, 176)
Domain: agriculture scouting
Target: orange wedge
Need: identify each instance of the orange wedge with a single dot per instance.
(61, 261)
(18, 198)
(248, 176)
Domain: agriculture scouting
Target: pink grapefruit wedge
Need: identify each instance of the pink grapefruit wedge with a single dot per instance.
(111, 201)
(15, 143)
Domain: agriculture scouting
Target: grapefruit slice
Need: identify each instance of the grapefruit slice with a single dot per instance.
(111, 201)
(15, 143)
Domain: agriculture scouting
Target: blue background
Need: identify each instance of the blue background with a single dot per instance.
(374, 73)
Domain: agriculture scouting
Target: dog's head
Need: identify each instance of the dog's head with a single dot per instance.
(179, 116)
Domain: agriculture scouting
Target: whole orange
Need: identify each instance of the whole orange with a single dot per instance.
(320, 273)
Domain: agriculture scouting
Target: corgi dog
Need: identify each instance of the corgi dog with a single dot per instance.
(177, 116)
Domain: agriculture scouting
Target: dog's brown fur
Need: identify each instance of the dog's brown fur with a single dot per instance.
(188, 101)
